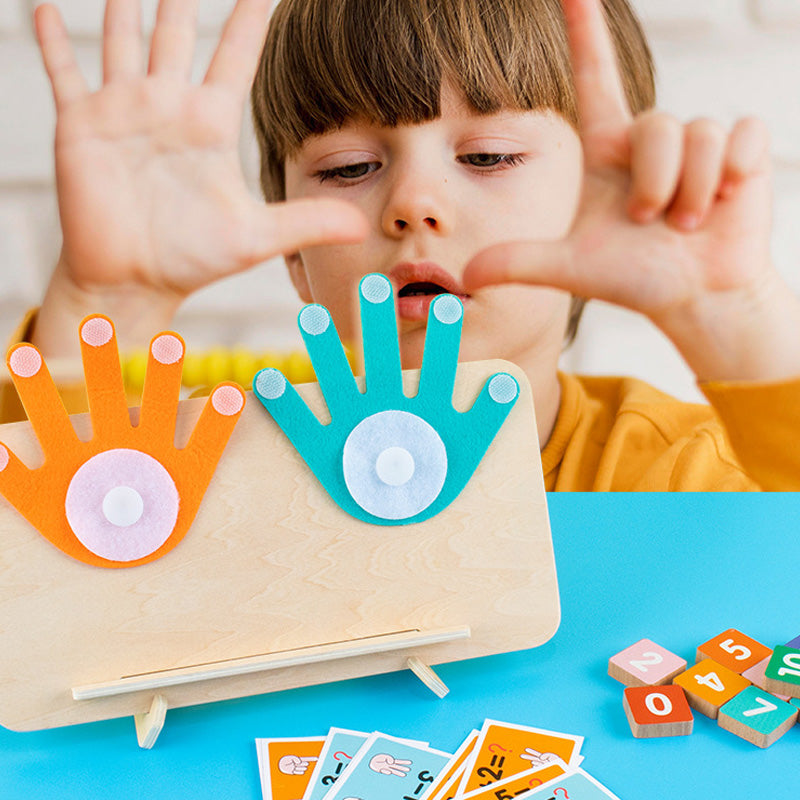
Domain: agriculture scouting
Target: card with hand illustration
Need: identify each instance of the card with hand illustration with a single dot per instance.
(341, 745)
(504, 749)
(388, 768)
(521, 784)
(286, 765)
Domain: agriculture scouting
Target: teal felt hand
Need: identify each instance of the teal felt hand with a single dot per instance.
(386, 458)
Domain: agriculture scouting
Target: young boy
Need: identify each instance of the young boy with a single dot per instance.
(501, 150)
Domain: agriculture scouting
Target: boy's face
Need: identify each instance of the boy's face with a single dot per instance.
(435, 194)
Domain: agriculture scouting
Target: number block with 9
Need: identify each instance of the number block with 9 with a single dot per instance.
(733, 650)
(645, 664)
(782, 674)
(709, 686)
(756, 716)
(657, 711)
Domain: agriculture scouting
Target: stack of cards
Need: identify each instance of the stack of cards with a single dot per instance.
(501, 761)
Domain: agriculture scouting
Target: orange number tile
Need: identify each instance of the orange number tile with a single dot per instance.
(657, 711)
(733, 650)
(709, 685)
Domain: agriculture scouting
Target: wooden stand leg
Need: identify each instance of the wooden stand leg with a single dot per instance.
(427, 676)
(149, 725)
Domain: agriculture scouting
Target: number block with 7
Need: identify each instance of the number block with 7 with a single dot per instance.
(782, 674)
(657, 711)
(709, 686)
(733, 650)
(645, 664)
(756, 716)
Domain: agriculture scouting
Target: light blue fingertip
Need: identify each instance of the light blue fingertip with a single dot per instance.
(270, 384)
(382, 370)
(448, 309)
(503, 388)
(375, 288)
(442, 343)
(314, 319)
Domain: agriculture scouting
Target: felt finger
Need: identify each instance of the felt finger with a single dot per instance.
(172, 45)
(290, 227)
(212, 431)
(66, 79)
(40, 399)
(656, 146)
(103, 374)
(442, 343)
(747, 153)
(704, 151)
(162, 385)
(381, 347)
(16, 480)
(327, 357)
(122, 40)
(233, 64)
(600, 93)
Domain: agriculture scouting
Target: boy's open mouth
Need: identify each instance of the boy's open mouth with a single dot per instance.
(421, 289)
(418, 284)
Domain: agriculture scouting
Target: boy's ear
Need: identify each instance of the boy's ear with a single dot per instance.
(299, 276)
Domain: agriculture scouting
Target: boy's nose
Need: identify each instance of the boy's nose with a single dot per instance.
(431, 222)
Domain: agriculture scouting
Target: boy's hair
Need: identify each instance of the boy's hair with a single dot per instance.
(384, 61)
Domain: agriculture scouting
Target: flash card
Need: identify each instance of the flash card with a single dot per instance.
(339, 748)
(576, 785)
(504, 750)
(449, 777)
(388, 768)
(286, 765)
(519, 785)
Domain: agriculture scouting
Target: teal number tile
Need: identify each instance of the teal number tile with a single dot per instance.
(795, 701)
(784, 665)
(759, 710)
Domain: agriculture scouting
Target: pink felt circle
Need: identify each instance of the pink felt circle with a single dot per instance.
(25, 361)
(97, 331)
(167, 349)
(107, 471)
(3, 457)
(227, 400)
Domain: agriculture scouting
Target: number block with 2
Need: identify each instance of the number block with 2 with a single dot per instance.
(657, 711)
(782, 674)
(733, 650)
(645, 664)
(709, 686)
(757, 716)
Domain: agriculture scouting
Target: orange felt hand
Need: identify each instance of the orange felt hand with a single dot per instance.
(127, 496)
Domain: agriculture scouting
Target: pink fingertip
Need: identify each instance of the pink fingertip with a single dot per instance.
(227, 400)
(97, 331)
(167, 349)
(25, 361)
(3, 457)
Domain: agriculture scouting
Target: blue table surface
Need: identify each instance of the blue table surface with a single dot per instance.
(677, 569)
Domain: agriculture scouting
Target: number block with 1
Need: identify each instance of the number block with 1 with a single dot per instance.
(782, 674)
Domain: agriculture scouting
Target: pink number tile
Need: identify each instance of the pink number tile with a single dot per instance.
(645, 664)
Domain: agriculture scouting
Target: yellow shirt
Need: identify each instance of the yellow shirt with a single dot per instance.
(620, 434)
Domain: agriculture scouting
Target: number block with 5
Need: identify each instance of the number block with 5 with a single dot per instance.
(733, 650)
(756, 716)
(645, 664)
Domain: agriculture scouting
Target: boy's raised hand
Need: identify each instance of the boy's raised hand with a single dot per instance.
(674, 222)
(152, 199)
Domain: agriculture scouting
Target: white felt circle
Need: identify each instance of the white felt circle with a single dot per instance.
(447, 309)
(123, 506)
(95, 490)
(376, 288)
(395, 466)
(314, 320)
(503, 389)
(378, 440)
(270, 383)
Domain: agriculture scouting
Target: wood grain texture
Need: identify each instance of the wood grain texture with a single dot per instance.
(272, 564)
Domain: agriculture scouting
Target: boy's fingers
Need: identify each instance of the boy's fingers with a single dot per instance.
(288, 227)
(747, 153)
(122, 40)
(58, 56)
(236, 56)
(172, 46)
(656, 153)
(602, 105)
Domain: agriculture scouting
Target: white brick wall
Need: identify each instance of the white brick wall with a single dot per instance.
(719, 58)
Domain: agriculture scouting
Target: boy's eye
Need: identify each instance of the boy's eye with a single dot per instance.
(488, 160)
(347, 172)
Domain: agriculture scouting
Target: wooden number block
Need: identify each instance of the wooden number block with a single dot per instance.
(657, 711)
(733, 650)
(783, 671)
(709, 686)
(759, 717)
(795, 643)
(757, 677)
(795, 701)
(645, 664)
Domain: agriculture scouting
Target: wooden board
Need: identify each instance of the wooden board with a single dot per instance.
(271, 565)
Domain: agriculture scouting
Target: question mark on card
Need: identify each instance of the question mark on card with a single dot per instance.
(341, 753)
(561, 789)
(494, 745)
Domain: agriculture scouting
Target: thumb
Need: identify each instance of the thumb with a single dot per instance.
(539, 263)
(283, 228)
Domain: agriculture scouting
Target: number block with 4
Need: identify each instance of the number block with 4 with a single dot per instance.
(709, 686)
(645, 664)
(756, 716)
(657, 711)
(782, 674)
(733, 650)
